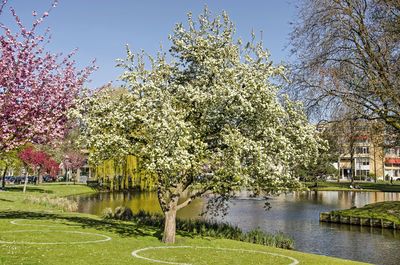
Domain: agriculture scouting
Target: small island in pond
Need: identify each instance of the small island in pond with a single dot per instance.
(381, 214)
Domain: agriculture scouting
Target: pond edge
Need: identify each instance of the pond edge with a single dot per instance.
(329, 217)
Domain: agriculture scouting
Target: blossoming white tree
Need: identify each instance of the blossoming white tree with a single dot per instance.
(210, 120)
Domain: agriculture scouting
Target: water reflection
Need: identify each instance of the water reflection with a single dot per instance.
(295, 214)
(146, 201)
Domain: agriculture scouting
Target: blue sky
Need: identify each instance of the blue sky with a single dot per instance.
(100, 29)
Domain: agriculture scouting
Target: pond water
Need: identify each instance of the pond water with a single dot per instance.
(295, 214)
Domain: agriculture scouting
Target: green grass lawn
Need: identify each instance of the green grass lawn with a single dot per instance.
(34, 234)
(365, 186)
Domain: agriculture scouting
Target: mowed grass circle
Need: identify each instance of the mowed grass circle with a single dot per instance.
(50, 237)
(44, 223)
(192, 255)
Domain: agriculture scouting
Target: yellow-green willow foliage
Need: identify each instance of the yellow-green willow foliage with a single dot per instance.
(124, 175)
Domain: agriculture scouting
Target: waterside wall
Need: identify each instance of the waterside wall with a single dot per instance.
(363, 221)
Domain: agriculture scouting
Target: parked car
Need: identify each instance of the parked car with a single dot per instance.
(47, 178)
(22, 179)
(19, 180)
(10, 180)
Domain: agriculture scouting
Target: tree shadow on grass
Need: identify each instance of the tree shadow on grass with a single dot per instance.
(29, 189)
(124, 229)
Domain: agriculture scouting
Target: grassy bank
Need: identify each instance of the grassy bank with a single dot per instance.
(204, 228)
(381, 210)
(74, 238)
(365, 186)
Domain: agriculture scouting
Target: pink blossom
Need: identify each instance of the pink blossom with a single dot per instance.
(39, 160)
(37, 87)
(74, 160)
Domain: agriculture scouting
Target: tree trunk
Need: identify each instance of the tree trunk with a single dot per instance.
(352, 173)
(170, 226)
(4, 178)
(26, 181)
(40, 177)
(375, 172)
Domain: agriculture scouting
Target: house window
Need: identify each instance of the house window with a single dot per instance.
(362, 172)
(392, 151)
(363, 161)
(390, 139)
(387, 151)
(362, 150)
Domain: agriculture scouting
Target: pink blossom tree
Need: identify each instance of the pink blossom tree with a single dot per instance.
(39, 161)
(52, 168)
(36, 86)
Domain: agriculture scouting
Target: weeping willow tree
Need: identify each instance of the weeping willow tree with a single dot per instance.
(116, 169)
(124, 174)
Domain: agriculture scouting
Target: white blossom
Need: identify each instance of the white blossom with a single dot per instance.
(210, 119)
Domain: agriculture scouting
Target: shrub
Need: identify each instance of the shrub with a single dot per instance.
(123, 213)
(107, 213)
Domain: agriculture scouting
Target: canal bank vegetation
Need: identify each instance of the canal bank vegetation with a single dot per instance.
(363, 186)
(59, 226)
(389, 211)
(60, 203)
(202, 228)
